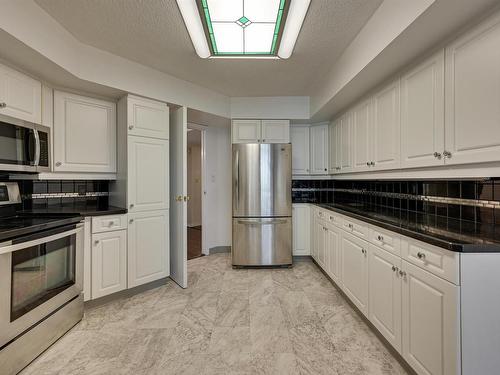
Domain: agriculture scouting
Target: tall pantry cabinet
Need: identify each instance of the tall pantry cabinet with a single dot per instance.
(143, 186)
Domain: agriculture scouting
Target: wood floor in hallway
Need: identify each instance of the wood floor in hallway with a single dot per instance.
(256, 321)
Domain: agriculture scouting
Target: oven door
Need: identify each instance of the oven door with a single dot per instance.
(39, 274)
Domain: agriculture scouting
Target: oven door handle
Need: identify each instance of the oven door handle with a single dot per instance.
(39, 238)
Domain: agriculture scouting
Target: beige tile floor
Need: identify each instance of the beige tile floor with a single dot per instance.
(279, 321)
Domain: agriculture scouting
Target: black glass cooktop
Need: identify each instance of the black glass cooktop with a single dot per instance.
(20, 225)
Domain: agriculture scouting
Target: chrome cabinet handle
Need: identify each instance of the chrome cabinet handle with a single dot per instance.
(58, 164)
(420, 255)
(3, 105)
(437, 155)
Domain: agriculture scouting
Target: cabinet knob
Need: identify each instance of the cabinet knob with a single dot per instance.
(58, 164)
(130, 127)
(368, 163)
(3, 105)
(96, 242)
(372, 163)
(263, 140)
(350, 226)
(394, 268)
(420, 255)
(402, 273)
(363, 251)
(437, 155)
(447, 154)
(380, 238)
(131, 221)
(131, 205)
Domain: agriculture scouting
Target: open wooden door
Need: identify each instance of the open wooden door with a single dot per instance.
(178, 196)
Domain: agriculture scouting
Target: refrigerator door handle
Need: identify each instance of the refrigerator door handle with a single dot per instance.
(237, 179)
(261, 221)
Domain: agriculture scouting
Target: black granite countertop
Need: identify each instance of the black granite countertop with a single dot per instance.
(451, 234)
(77, 209)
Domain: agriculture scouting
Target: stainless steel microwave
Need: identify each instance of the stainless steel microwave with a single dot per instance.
(24, 146)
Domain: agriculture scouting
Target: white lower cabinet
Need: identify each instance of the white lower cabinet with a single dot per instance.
(333, 243)
(417, 311)
(148, 247)
(109, 263)
(301, 217)
(430, 322)
(385, 294)
(355, 270)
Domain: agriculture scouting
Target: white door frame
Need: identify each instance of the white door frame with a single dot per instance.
(203, 130)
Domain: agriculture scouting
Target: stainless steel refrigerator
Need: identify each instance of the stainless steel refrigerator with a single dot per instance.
(262, 204)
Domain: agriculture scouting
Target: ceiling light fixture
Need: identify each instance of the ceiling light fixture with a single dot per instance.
(244, 28)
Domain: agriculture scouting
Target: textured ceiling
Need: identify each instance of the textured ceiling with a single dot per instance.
(152, 33)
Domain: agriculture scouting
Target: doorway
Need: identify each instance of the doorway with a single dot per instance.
(195, 192)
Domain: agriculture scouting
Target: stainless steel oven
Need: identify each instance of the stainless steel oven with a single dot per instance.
(40, 274)
(24, 146)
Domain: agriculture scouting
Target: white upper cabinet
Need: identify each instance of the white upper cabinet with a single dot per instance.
(148, 247)
(386, 128)
(473, 95)
(147, 118)
(275, 131)
(20, 96)
(430, 310)
(84, 134)
(332, 147)
(246, 131)
(261, 131)
(346, 141)
(422, 114)
(148, 174)
(299, 136)
(361, 128)
(319, 149)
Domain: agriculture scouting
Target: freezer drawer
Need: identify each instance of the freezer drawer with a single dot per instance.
(262, 241)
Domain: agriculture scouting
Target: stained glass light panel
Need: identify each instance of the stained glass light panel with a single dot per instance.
(243, 27)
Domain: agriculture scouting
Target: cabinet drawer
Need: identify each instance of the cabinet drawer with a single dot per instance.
(334, 218)
(108, 223)
(355, 227)
(440, 262)
(386, 240)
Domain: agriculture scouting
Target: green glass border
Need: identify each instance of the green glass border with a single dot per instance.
(211, 36)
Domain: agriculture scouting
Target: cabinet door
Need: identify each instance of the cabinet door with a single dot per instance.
(148, 174)
(473, 95)
(20, 95)
(109, 263)
(84, 134)
(333, 250)
(355, 270)
(385, 294)
(300, 149)
(386, 128)
(246, 131)
(422, 114)
(360, 143)
(318, 238)
(148, 247)
(319, 149)
(275, 131)
(332, 147)
(301, 217)
(430, 322)
(322, 247)
(346, 143)
(147, 118)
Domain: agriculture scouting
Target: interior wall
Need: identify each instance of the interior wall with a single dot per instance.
(218, 201)
(194, 182)
(270, 107)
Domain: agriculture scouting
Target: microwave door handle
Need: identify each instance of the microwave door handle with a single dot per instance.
(37, 147)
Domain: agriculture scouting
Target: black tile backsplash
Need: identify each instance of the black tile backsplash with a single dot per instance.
(473, 200)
